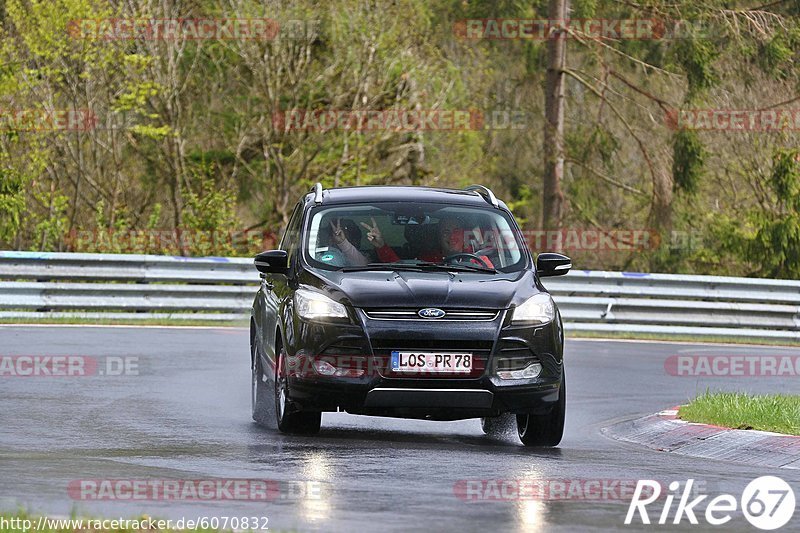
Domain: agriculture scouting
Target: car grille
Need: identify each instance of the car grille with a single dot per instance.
(451, 314)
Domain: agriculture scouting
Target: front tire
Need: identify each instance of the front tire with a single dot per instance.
(289, 420)
(497, 426)
(260, 397)
(545, 430)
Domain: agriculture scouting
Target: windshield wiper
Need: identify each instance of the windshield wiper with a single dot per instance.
(419, 266)
(453, 268)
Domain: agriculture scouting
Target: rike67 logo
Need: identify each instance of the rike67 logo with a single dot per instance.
(767, 502)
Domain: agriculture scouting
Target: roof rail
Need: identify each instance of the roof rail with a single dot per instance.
(485, 192)
(318, 193)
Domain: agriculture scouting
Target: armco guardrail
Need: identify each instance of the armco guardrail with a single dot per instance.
(116, 286)
(35, 285)
(678, 304)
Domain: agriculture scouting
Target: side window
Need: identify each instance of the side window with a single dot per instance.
(292, 233)
(291, 240)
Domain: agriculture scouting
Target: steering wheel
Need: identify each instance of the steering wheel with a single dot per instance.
(452, 258)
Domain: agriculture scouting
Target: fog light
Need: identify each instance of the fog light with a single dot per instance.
(324, 368)
(529, 372)
(349, 372)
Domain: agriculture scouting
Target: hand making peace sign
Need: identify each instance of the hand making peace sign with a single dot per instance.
(374, 235)
(338, 234)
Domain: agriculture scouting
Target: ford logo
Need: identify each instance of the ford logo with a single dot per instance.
(431, 312)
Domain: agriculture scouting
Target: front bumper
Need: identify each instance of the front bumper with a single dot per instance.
(377, 391)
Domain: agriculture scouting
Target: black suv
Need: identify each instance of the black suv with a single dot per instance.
(407, 302)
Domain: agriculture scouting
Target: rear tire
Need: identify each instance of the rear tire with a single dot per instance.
(289, 420)
(497, 426)
(545, 430)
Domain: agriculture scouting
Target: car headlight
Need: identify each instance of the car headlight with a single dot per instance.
(311, 305)
(538, 309)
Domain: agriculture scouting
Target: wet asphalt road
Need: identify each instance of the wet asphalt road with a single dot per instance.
(186, 415)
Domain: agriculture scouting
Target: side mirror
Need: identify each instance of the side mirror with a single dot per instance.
(550, 264)
(272, 262)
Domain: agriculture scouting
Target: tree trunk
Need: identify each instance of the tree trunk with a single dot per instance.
(552, 197)
(662, 204)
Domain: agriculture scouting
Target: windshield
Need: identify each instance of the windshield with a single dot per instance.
(430, 236)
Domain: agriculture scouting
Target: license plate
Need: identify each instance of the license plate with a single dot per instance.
(428, 362)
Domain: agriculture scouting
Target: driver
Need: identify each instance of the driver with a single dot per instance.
(452, 230)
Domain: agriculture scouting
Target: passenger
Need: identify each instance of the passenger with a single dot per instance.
(344, 233)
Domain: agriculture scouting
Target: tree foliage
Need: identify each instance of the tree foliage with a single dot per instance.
(186, 139)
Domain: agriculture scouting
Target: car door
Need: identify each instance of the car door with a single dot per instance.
(275, 288)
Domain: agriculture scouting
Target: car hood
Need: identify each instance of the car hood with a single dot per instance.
(401, 288)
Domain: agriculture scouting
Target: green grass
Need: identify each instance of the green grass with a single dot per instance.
(779, 413)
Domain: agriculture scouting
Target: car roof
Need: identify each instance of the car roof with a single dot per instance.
(400, 193)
